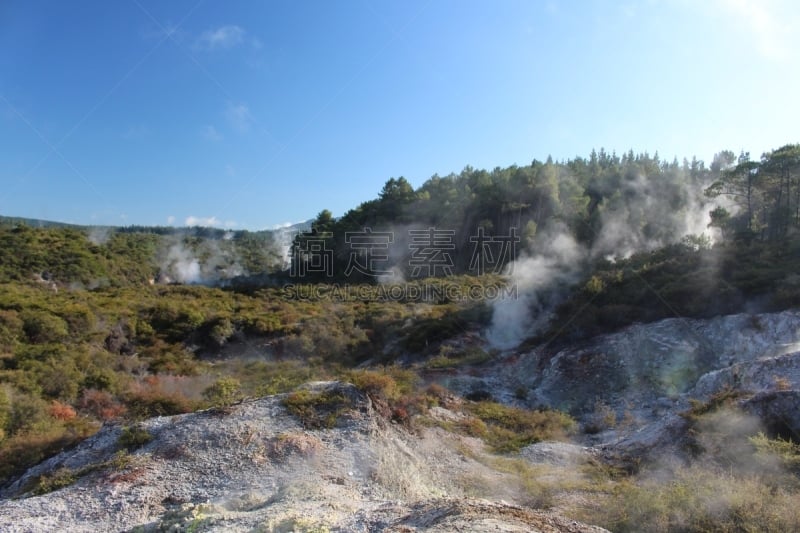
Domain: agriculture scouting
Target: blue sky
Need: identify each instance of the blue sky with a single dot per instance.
(254, 114)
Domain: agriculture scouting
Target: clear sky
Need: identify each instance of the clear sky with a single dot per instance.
(250, 114)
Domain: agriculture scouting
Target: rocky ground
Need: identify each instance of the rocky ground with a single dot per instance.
(628, 388)
(255, 467)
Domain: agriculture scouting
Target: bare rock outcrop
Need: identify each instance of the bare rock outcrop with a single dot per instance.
(254, 466)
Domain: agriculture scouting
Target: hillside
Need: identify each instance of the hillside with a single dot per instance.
(606, 339)
(674, 432)
(253, 466)
(92, 257)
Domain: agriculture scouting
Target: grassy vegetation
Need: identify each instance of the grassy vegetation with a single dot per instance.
(72, 359)
(318, 410)
(64, 477)
(735, 478)
(111, 346)
(738, 482)
(697, 499)
(724, 398)
(133, 437)
(508, 429)
(59, 479)
(686, 280)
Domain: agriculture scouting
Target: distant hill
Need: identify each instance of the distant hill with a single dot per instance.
(33, 222)
(6, 221)
(96, 256)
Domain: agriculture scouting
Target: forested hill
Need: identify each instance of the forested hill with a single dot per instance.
(605, 205)
(610, 205)
(93, 257)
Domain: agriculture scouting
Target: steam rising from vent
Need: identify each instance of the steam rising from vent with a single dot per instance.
(182, 264)
(646, 217)
(644, 214)
(209, 262)
(99, 236)
(284, 236)
(540, 280)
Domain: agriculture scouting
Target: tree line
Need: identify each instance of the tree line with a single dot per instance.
(609, 203)
(764, 195)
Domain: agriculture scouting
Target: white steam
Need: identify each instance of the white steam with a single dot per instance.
(646, 214)
(557, 263)
(99, 236)
(209, 263)
(183, 266)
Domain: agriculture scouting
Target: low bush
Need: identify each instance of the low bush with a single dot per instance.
(150, 403)
(61, 411)
(698, 408)
(317, 410)
(695, 499)
(133, 437)
(63, 477)
(508, 429)
(450, 359)
(223, 392)
(101, 404)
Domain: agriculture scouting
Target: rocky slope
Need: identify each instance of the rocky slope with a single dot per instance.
(254, 467)
(628, 388)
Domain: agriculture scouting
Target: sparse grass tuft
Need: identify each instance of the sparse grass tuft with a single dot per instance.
(720, 399)
(63, 477)
(294, 443)
(317, 410)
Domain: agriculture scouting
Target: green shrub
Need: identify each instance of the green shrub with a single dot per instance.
(63, 477)
(133, 437)
(79, 319)
(101, 379)
(428, 332)
(220, 330)
(11, 330)
(222, 392)
(42, 327)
